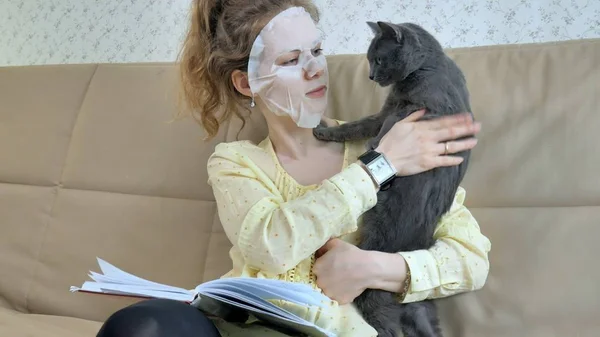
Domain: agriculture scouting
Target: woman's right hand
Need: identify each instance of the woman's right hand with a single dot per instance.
(414, 146)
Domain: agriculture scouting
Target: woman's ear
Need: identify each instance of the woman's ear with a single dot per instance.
(240, 82)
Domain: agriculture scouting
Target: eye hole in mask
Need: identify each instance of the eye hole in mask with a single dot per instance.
(288, 70)
(287, 60)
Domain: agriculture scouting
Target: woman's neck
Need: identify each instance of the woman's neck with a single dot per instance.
(291, 141)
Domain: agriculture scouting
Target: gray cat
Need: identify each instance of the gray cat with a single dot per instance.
(404, 219)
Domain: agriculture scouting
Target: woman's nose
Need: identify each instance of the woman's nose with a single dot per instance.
(312, 74)
(312, 69)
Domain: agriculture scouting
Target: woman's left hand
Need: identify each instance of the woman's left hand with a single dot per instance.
(343, 270)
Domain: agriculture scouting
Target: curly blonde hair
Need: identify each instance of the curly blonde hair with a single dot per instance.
(218, 42)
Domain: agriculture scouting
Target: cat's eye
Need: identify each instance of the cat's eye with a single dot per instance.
(378, 60)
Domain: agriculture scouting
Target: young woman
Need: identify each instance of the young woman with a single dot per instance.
(291, 205)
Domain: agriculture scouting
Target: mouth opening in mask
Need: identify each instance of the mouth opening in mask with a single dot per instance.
(318, 92)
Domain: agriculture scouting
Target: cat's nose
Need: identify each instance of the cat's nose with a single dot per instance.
(371, 77)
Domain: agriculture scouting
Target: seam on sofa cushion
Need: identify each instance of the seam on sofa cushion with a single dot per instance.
(503, 47)
(56, 188)
(136, 194)
(210, 235)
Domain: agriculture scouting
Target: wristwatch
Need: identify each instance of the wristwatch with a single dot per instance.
(379, 168)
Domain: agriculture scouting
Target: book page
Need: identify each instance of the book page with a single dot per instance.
(254, 301)
(252, 294)
(115, 273)
(148, 285)
(133, 290)
(295, 324)
(271, 289)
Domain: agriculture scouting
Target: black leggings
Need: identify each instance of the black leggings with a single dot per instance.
(158, 318)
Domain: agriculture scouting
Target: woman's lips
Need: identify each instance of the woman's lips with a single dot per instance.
(318, 92)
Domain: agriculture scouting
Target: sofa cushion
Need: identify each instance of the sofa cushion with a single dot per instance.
(24, 214)
(126, 140)
(38, 109)
(543, 280)
(16, 324)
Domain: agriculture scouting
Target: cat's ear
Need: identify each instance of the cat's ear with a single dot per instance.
(374, 27)
(390, 30)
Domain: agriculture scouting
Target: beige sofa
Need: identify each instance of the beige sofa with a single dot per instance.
(90, 165)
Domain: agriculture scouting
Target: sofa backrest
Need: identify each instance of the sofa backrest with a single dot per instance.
(92, 165)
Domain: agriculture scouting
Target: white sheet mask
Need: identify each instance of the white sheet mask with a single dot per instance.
(290, 37)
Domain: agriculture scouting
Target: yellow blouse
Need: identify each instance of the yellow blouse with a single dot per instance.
(276, 224)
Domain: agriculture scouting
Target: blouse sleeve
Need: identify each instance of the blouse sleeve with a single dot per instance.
(457, 262)
(272, 234)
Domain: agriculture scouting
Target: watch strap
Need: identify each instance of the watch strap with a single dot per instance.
(369, 157)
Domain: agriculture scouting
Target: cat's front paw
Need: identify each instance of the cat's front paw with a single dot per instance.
(372, 143)
(322, 132)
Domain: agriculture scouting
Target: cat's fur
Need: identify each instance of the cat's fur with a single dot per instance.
(406, 214)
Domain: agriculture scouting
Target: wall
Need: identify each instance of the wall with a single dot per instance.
(82, 31)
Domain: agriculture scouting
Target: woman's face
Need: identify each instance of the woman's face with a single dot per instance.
(288, 70)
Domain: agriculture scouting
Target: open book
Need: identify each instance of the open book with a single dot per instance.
(233, 299)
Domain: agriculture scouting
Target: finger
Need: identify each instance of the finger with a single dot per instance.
(455, 146)
(321, 251)
(330, 244)
(445, 161)
(413, 117)
(317, 266)
(448, 121)
(454, 132)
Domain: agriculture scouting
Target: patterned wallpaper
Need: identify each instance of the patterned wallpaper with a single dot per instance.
(83, 31)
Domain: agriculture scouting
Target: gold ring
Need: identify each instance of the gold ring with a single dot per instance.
(446, 151)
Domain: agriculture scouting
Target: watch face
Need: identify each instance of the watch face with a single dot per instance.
(381, 169)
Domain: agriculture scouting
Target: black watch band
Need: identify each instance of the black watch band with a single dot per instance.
(379, 168)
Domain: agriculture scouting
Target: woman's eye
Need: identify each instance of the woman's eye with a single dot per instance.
(290, 62)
